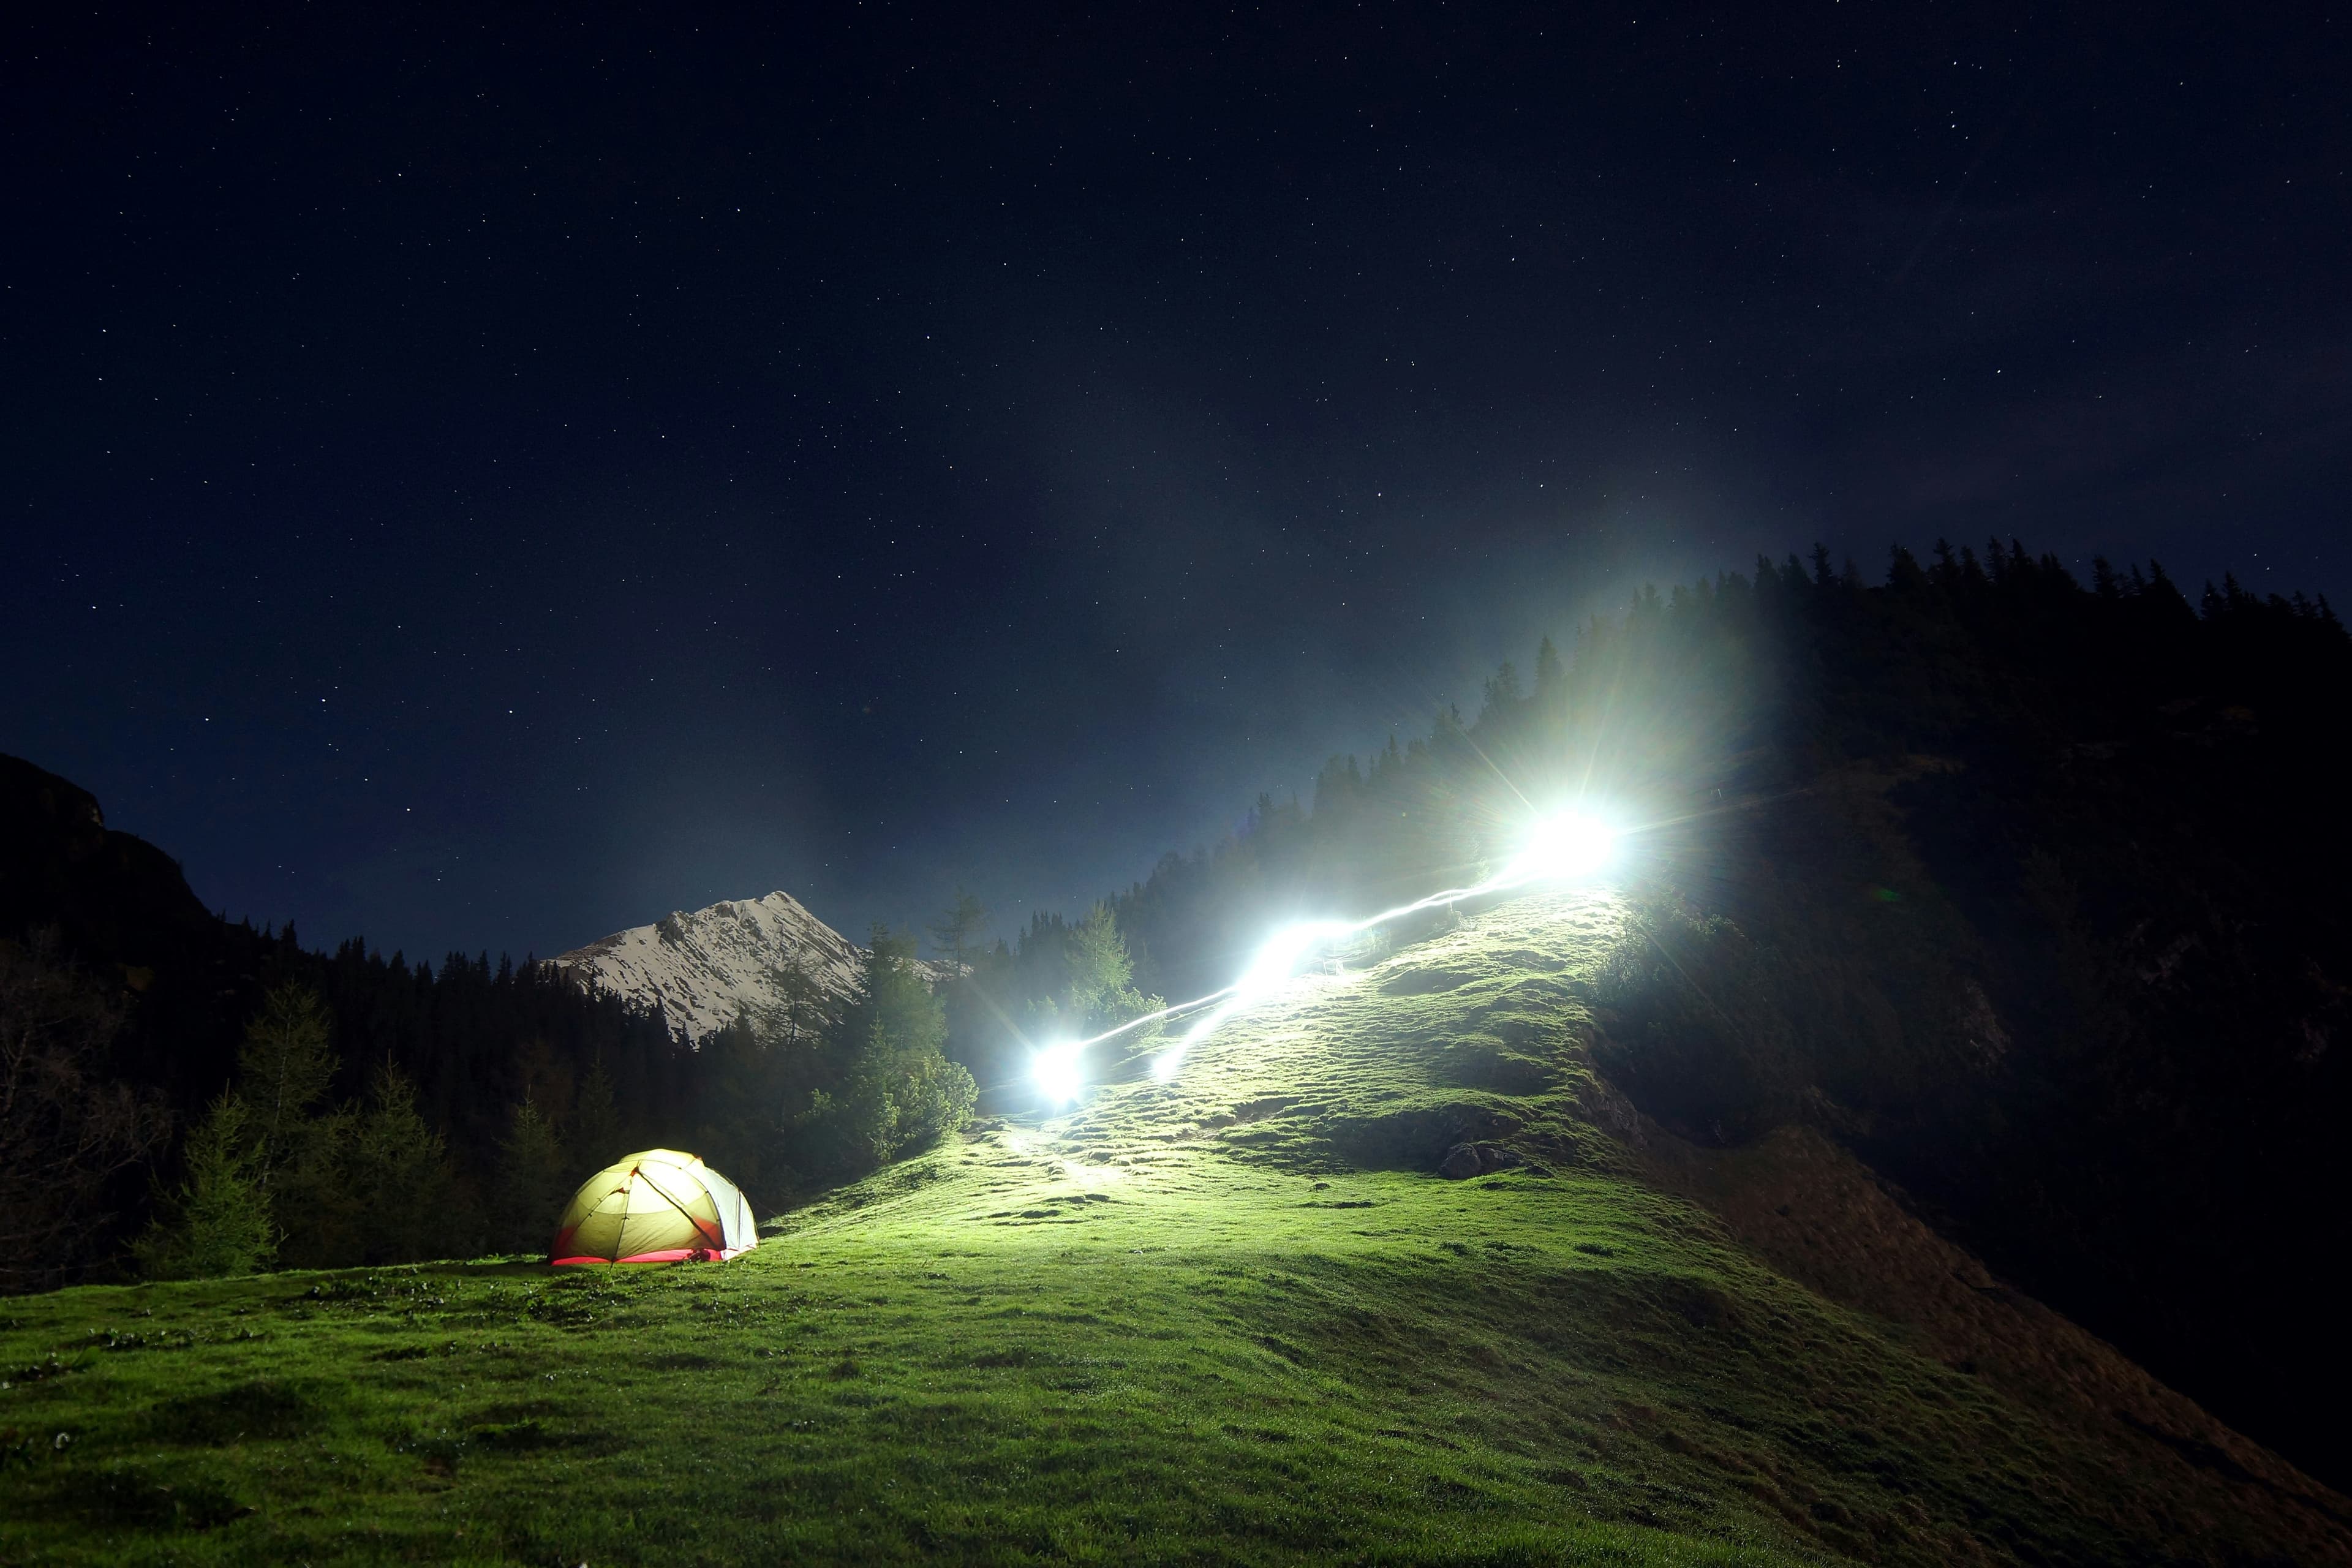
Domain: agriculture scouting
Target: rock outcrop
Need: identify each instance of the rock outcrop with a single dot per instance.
(705, 968)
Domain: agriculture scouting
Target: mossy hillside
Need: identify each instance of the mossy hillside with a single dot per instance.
(1476, 1032)
(1073, 1369)
(1067, 1378)
(1229, 1318)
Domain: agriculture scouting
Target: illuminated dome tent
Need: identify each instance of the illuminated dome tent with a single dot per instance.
(658, 1206)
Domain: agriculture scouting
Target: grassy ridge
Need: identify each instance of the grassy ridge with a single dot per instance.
(1228, 1320)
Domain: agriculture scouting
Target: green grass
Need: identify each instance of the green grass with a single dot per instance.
(1230, 1320)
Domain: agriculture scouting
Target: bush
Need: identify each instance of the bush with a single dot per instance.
(900, 1101)
(900, 1093)
(66, 1128)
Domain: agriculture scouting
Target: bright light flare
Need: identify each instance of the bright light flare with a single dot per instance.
(1058, 1072)
(1564, 848)
(1280, 957)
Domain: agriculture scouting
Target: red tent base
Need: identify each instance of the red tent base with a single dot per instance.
(668, 1255)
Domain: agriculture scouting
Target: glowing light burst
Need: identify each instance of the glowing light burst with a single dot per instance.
(1568, 845)
(1056, 1071)
(1565, 847)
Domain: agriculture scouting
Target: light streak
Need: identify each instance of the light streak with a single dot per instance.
(1561, 848)
(1280, 955)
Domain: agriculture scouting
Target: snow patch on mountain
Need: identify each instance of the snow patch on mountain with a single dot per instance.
(705, 968)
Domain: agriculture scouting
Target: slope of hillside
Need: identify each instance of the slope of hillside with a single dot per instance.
(702, 969)
(1234, 1318)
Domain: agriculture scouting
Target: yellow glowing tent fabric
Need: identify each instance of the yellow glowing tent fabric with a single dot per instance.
(655, 1207)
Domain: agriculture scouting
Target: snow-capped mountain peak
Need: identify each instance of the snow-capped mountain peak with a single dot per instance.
(705, 968)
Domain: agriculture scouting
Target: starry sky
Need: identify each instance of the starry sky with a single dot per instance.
(482, 483)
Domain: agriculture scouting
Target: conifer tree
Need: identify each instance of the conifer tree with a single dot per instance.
(1102, 990)
(596, 1133)
(803, 1008)
(298, 1151)
(956, 935)
(533, 1182)
(398, 1172)
(284, 1065)
(743, 1073)
(1548, 673)
(217, 1222)
(312, 1195)
(899, 1093)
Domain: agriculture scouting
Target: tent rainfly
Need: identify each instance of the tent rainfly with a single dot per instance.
(657, 1206)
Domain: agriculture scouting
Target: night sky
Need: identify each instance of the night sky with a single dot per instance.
(485, 485)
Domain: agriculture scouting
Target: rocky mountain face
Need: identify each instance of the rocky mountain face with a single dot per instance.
(119, 912)
(705, 968)
(115, 899)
